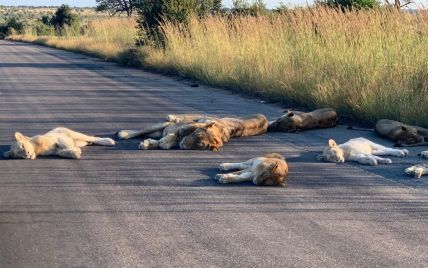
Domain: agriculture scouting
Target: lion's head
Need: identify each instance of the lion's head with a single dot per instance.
(408, 135)
(21, 148)
(332, 153)
(206, 138)
(272, 172)
(288, 122)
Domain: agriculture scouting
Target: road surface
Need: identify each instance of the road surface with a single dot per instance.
(122, 207)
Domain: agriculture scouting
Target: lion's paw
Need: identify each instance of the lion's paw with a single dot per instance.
(224, 167)
(424, 154)
(123, 134)
(218, 176)
(148, 144)
(223, 178)
(76, 154)
(404, 153)
(372, 162)
(385, 161)
(416, 171)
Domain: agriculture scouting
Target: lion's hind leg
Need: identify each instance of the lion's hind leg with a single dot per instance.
(236, 166)
(74, 153)
(81, 140)
(67, 149)
(382, 150)
(417, 170)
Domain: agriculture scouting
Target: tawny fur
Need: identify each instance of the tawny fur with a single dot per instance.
(401, 133)
(60, 141)
(360, 150)
(293, 121)
(197, 132)
(269, 170)
(418, 170)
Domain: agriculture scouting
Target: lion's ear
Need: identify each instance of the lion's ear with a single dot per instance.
(210, 124)
(8, 154)
(290, 114)
(404, 128)
(332, 143)
(19, 136)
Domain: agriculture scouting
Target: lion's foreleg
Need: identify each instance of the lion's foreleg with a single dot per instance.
(364, 159)
(129, 134)
(74, 153)
(149, 144)
(168, 142)
(240, 176)
(235, 166)
(176, 118)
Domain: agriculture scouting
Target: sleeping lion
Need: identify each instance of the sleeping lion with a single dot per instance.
(360, 150)
(401, 133)
(60, 141)
(269, 170)
(197, 132)
(293, 121)
(418, 170)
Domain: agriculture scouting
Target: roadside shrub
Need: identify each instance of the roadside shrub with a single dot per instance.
(11, 26)
(152, 13)
(64, 18)
(347, 4)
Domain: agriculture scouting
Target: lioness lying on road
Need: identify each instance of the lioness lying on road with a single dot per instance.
(270, 170)
(401, 133)
(59, 141)
(360, 150)
(418, 170)
(293, 121)
(197, 132)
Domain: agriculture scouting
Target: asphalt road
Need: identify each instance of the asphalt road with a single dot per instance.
(121, 207)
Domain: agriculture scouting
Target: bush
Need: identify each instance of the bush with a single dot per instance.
(43, 29)
(347, 4)
(64, 18)
(11, 26)
(152, 13)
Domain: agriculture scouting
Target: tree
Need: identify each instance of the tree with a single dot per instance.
(398, 5)
(152, 13)
(117, 6)
(347, 4)
(64, 17)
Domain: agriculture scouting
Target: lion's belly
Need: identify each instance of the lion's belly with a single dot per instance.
(356, 148)
(45, 145)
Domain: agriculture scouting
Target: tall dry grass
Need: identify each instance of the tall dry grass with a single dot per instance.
(369, 64)
(106, 38)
